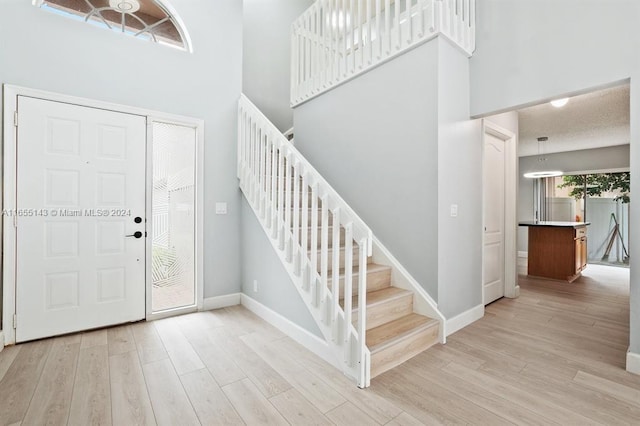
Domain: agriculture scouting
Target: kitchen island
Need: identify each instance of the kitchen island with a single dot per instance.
(557, 250)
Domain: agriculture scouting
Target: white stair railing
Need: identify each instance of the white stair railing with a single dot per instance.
(306, 220)
(335, 40)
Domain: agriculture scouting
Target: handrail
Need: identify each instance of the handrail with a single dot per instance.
(336, 40)
(295, 206)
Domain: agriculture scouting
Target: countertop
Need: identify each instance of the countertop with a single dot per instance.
(556, 224)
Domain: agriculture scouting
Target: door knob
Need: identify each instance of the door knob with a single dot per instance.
(136, 234)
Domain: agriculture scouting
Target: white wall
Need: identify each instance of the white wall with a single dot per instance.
(261, 263)
(529, 52)
(46, 51)
(266, 58)
(375, 140)
(460, 183)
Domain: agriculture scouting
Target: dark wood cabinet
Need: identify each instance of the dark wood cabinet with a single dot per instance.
(557, 250)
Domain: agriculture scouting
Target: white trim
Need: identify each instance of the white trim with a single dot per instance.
(462, 320)
(309, 340)
(524, 254)
(8, 236)
(1, 341)
(511, 288)
(219, 302)
(423, 304)
(633, 362)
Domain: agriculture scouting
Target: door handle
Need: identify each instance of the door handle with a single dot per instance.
(136, 234)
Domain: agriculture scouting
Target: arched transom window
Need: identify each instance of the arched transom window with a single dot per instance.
(147, 19)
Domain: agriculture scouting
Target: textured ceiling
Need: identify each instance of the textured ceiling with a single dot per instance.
(592, 120)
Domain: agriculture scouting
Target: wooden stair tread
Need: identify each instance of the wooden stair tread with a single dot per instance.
(371, 268)
(381, 296)
(383, 336)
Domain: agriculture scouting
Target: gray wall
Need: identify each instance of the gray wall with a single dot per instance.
(260, 262)
(534, 51)
(375, 140)
(459, 182)
(45, 51)
(266, 58)
(613, 157)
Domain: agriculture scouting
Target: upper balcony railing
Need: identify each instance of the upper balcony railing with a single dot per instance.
(335, 40)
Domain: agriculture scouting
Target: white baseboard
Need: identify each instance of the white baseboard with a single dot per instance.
(221, 301)
(1, 340)
(633, 362)
(309, 340)
(464, 319)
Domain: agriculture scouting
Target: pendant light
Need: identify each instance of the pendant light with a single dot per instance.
(542, 171)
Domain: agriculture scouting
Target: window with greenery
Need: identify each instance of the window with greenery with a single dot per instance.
(147, 19)
(598, 185)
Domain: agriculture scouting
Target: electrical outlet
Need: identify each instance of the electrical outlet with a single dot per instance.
(255, 286)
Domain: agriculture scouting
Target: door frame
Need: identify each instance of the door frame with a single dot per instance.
(511, 287)
(8, 180)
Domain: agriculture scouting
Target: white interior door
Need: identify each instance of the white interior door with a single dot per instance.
(80, 200)
(494, 218)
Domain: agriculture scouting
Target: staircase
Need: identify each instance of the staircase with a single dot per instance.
(343, 274)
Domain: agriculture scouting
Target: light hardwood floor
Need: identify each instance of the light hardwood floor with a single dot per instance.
(553, 356)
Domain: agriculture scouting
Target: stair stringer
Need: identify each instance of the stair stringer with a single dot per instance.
(423, 304)
(319, 311)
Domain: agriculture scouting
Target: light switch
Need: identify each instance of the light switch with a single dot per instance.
(454, 210)
(221, 208)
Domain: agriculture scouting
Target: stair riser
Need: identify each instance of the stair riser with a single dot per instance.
(376, 280)
(387, 311)
(395, 355)
(308, 224)
(355, 255)
(330, 235)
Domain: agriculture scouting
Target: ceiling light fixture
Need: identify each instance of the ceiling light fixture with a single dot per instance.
(125, 6)
(542, 161)
(559, 103)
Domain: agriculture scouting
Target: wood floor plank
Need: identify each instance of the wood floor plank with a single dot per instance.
(20, 380)
(120, 340)
(182, 355)
(348, 414)
(266, 379)
(7, 356)
(616, 390)
(168, 398)
(148, 343)
(221, 365)
(210, 403)
(404, 419)
(93, 338)
(91, 401)
(251, 405)
(51, 400)
(297, 410)
(312, 387)
(379, 408)
(130, 403)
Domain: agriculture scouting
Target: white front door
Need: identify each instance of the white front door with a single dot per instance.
(80, 202)
(494, 220)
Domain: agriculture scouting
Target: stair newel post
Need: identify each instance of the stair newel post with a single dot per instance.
(313, 273)
(296, 217)
(304, 232)
(268, 200)
(262, 154)
(324, 263)
(348, 285)
(288, 192)
(281, 209)
(335, 272)
(362, 312)
(274, 189)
